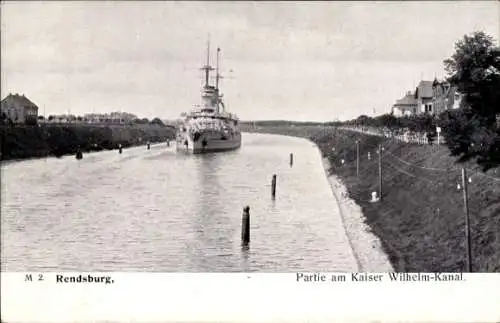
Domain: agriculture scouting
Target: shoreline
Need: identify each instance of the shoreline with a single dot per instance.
(366, 246)
(31, 142)
(8, 161)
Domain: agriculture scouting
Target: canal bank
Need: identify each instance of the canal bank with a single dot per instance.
(366, 246)
(22, 141)
(420, 221)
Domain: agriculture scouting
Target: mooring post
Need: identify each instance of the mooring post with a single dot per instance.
(120, 148)
(79, 154)
(291, 159)
(273, 186)
(149, 145)
(245, 226)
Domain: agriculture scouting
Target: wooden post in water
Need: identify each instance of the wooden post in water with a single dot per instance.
(291, 159)
(79, 154)
(273, 186)
(149, 145)
(120, 148)
(245, 226)
(467, 225)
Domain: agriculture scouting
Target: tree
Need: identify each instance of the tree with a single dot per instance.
(363, 121)
(474, 68)
(157, 121)
(424, 123)
(388, 121)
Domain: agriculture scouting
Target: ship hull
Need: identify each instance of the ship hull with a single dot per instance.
(207, 144)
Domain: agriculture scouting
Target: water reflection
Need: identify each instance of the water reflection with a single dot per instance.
(155, 210)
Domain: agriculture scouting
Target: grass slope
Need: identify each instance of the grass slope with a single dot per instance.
(420, 220)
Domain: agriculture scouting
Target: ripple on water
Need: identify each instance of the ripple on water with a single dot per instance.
(155, 210)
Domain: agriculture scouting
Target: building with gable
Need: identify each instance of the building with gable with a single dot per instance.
(431, 97)
(405, 106)
(19, 109)
(425, 96)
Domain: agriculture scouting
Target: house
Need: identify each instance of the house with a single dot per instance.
(405, 106)
(445, 97)
(19, 109)
(431, 97)
(424, 95)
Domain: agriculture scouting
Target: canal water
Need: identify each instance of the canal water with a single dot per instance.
(159, 211)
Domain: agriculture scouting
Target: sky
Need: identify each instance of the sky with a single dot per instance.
(314, 61)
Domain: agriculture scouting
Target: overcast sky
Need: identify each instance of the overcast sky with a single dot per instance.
(289, 60)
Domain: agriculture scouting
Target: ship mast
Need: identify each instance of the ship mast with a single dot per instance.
(217, 80)
(217, 76)
(207, 68)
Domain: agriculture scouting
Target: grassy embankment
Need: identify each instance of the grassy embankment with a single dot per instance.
(21, 142)
(420, 220)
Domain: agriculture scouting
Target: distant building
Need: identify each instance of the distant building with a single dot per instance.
(429, 97)
(424, 95)
(445, 97)
(19, 109)
(405, 106)
(111, 118)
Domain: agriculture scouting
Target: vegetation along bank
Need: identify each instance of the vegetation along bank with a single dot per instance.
(28, 141)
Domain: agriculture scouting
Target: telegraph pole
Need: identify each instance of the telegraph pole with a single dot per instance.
(380, 171)
(357, 158)
(467, 224)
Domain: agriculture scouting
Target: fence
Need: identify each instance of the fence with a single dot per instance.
(403, 136)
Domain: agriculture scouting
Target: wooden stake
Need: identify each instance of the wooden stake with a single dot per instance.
(245, 226)
(273, 186)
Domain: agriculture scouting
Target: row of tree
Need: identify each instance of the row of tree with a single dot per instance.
(155, 121)
(472, 132)
(416, 123)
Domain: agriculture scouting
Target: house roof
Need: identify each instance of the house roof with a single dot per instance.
(424, 89)
(407, 100)
(18, 101)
